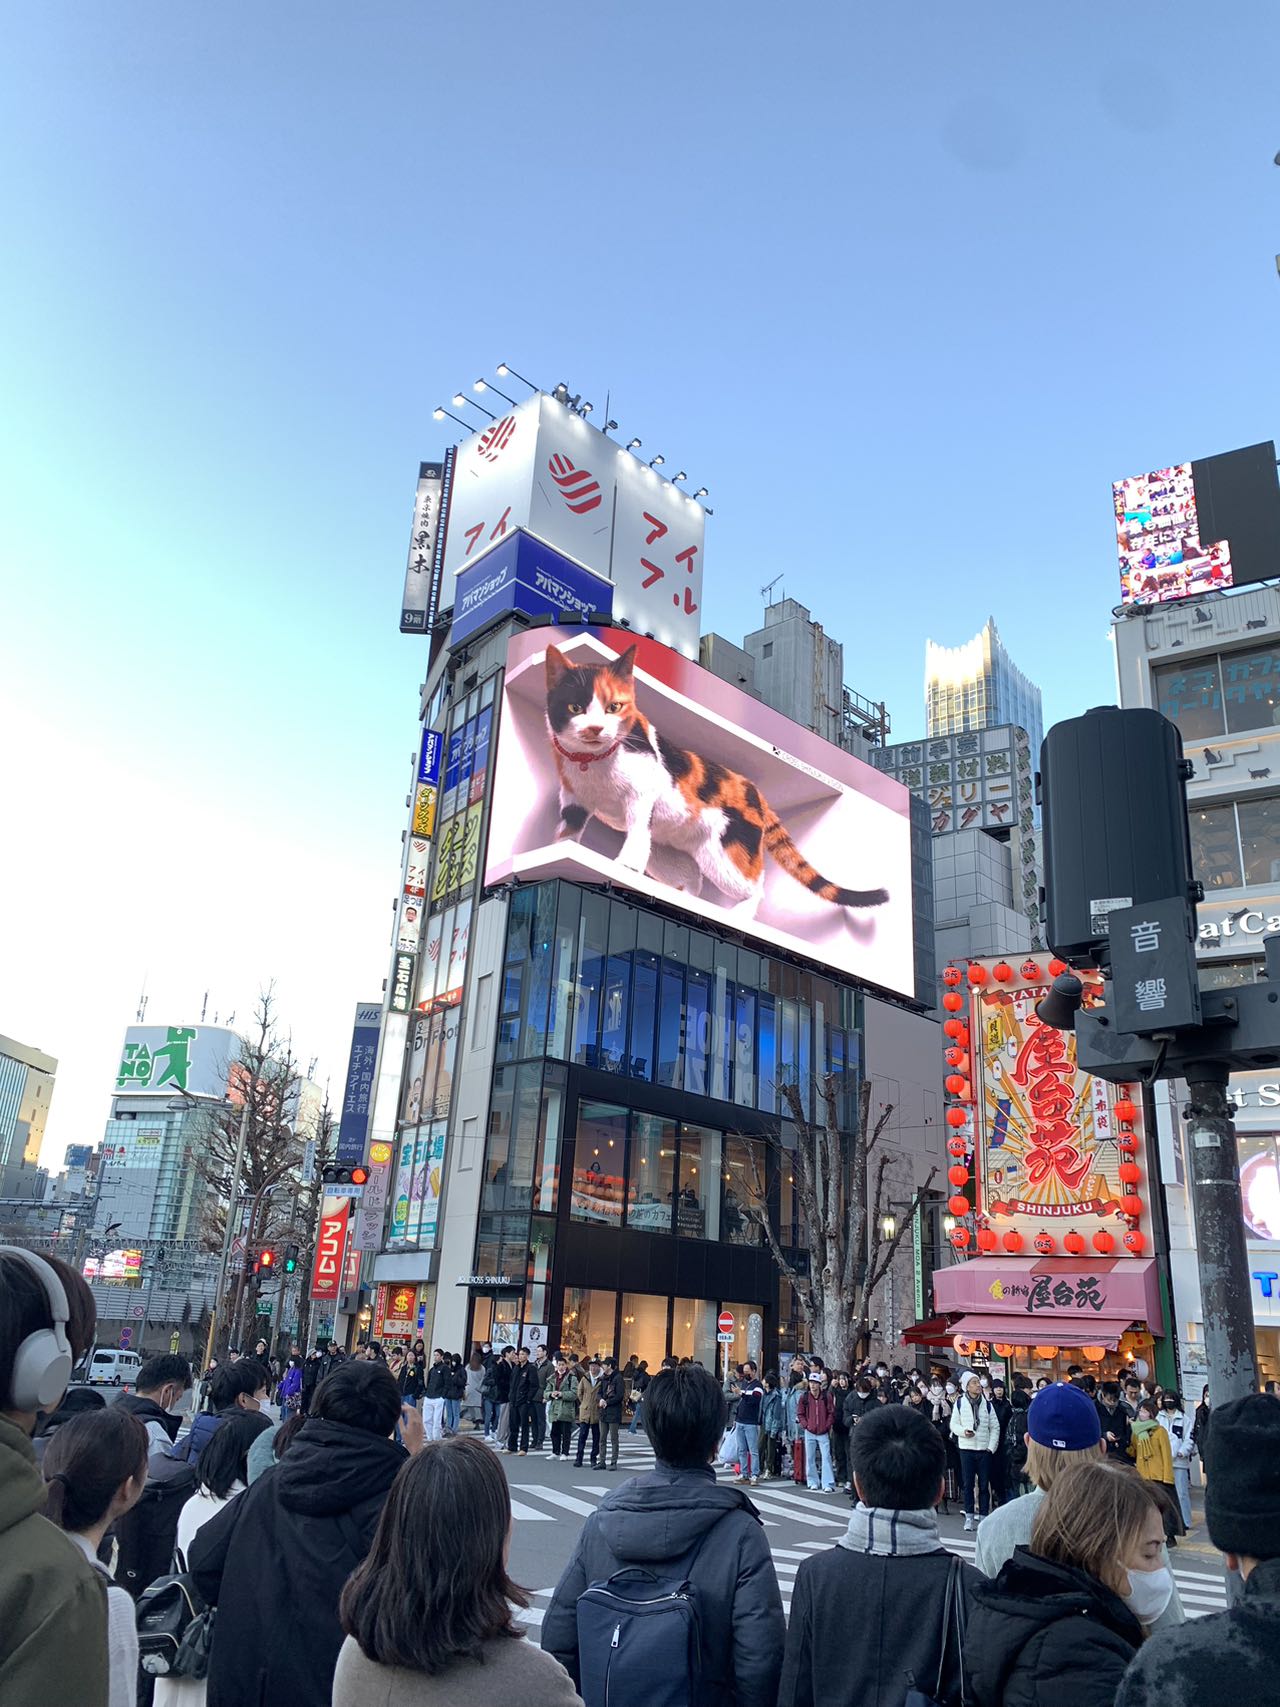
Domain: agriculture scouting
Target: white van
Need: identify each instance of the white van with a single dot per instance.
(110, 1367)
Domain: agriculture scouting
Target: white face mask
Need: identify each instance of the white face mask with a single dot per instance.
(951, 1389)
(1149, 1593)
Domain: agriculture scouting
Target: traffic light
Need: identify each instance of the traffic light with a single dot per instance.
(290, 1258)
(268, 1259)
(344, 1176)
(359, 1176)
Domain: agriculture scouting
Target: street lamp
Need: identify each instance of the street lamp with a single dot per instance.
(889, 1224)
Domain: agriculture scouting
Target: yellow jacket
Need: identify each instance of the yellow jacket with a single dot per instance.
(1150, 1451)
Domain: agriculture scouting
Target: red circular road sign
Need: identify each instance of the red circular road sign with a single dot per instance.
(725, 1323)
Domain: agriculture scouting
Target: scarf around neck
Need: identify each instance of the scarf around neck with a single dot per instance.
(892, 1534)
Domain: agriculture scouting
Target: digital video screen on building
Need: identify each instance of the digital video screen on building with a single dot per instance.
(620, 760)
(1198, 527)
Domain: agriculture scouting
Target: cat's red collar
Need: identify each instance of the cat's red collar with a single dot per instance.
(584, 759)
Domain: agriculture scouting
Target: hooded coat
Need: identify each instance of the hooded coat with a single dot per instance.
(1042, 1634)
(274, 1560)
(53, 1603)
(656, 1519)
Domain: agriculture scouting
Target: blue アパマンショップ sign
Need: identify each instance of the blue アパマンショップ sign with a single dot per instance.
(525, 575)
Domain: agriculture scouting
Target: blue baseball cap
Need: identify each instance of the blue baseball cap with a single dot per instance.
(1064, 1418)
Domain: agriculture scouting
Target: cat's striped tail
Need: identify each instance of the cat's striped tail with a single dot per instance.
(779, 843)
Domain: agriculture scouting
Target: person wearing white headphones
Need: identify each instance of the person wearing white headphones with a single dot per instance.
(53, 1603)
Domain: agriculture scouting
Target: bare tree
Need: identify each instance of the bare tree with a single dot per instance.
(840, 1183)
(272, 1212)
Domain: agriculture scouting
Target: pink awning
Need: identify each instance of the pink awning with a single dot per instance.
(1038, 1299)
(1008, 1330)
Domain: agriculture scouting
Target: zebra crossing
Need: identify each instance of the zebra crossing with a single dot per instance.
(811, 1522)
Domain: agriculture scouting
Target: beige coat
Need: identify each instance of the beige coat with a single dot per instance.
(588, 1401)
(512, 1672)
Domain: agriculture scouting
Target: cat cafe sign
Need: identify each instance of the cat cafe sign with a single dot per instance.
(1253, 922)
(621, 761)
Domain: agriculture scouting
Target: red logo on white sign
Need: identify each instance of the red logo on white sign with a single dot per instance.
(578, 486)
(495, 439)
(725, 1323)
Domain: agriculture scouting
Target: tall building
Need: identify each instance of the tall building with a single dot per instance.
(1212, 666)
(26, 1089)
(588, 1038)
(798, 669)
(978, 686)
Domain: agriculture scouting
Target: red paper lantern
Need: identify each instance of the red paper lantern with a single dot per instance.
(956, 1117)
(957, 1145)
(958, 1175)
(1134, 1241)
(1104, 1242)
(1129, 1172)
(1057, 967)
(1124, 1109)
(962, 1036)
(955, 1083)
(953, 1001)
(987, 1240)
(953, 1028)
(1128, 1141)
(952, 975)
(977, 976)
(960, 1238)
(1002, 972)
(955, 1058)
(959, 1205)
(1074, 1242)
(1131, 1204)
(1045, 1243)
(1013, 1240)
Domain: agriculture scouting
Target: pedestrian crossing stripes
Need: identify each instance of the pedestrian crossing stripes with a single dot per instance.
(1201, 1591)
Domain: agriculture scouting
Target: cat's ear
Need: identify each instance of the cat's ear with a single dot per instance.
(556, 667)
(622, 666)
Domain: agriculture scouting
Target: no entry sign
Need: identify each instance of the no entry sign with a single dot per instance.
(725, 1323)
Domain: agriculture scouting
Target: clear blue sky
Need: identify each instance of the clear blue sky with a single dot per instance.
(905, 287)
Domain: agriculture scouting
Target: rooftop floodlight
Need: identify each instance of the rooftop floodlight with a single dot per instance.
(701, 492)
(656, 461)
(634, 444)
(676, 478)
(503, 369)
(483, 385)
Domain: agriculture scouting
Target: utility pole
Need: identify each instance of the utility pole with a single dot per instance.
(1223, 1257)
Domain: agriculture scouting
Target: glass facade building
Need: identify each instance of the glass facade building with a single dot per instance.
(978, 686)
(638, 1115)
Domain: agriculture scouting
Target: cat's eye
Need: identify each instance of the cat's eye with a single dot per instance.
(616, 706)
(576, 710)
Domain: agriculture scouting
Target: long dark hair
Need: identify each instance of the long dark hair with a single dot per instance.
(225, 1459)
(85, 1463)
(434, 1588)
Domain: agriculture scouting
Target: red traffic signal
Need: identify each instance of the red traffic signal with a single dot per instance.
(267, 1259)
(359, 1176)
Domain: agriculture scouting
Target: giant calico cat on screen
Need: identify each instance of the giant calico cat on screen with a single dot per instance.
(685, 819)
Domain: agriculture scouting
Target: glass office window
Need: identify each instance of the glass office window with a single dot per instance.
(546, 1175)
(497, 1156)
(696, 1027)
(542, 1236)
(525, 1121)
(1251, 689)
(671, 1026)
(616, 1000)
(599, 1163)
(651, 1189)
(644, 1329)
(767, 1053)
(720, 1041)
(1190, 695)
(563, 954)
(693, 1330)
(744, 1046)
(698, 1204)
(1215, 847)
(644, 1013)
(1259, 822)
(538, 981)
(744, 1182)
(592, 934)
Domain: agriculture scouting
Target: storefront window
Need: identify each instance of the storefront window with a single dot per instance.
(1251, 689)
(589, 1326)
(720, 1043)
(1215, 847)
(653, 1172)
(744, 1183)
(693, 1330)
(1190, 695)
(698, 1206)
(1260, 841)
(599, 1164)
(644, 1329)
(524, 1137)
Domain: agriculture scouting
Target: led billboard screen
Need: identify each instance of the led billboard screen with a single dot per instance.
(622, 761)
(1198, 527)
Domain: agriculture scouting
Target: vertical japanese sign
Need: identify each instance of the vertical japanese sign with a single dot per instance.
(428, 784)
(1154, 979)
(422, 572)
(353, 1126)
(402, 982)
(331, 1239)
(656, 562)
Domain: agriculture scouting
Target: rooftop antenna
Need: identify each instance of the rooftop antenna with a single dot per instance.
(311, 1070)
(204, 1007)
(142, 1002)
(766, 590)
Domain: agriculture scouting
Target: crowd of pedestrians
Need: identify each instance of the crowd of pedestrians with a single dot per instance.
(304, 1542)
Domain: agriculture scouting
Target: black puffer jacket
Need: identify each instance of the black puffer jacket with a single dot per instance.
(1042, 1634)
(275, 1558)
(658, 1518)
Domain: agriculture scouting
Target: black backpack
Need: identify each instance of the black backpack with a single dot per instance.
(640, 1637)
(175, 1628)
(148, 1533)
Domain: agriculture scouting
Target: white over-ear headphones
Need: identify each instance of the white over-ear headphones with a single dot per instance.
(43, 1362)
